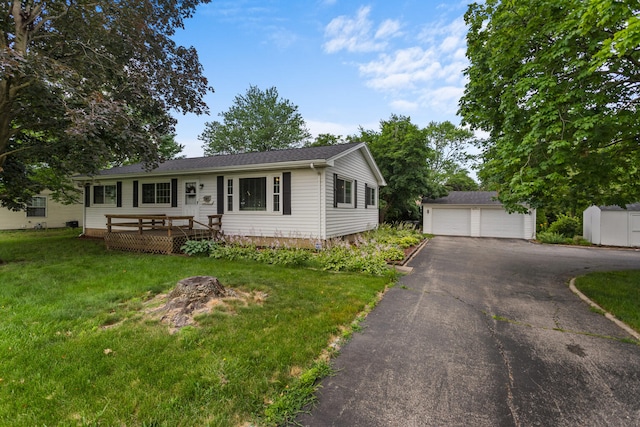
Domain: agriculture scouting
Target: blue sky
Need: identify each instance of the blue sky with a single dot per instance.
(345, 64)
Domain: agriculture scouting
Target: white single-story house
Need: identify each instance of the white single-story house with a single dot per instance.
(42, 212)
(612, 225)
(305, 193)
(475, 214)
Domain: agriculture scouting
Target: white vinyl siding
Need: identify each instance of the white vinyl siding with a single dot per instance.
(304, 221)
(57, 215)
(344, 221)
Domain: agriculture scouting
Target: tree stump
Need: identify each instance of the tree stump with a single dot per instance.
(190, 295)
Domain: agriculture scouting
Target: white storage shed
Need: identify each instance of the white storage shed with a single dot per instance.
(476, 214)
(612, 225)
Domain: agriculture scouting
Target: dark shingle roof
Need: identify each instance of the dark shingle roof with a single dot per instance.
(466, 198)
(632, 207)
(245, 159)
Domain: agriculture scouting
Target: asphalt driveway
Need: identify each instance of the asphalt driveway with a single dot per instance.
(485, 332)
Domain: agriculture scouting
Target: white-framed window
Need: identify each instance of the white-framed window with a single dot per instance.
(230, 195)
(344, 191)
(253, 194)
(276, 194)
(37, 207)
(156, 193)
(104, 194)
(370, 196)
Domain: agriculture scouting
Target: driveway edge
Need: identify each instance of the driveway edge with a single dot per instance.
(608, 315)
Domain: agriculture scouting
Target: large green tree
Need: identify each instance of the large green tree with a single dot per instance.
(557, 86)
(257, 121)
(401, 154)
(87, 83)
(448, 150)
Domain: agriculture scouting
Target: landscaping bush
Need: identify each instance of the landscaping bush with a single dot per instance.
(285, 256)
(566, 225)
(553, 238)
(369, 252)
(197, 247)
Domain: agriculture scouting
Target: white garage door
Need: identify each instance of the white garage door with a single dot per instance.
(499, 223)
(451, 222)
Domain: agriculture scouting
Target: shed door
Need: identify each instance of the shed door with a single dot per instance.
(634, 229)
(452, 222)
(500, 223)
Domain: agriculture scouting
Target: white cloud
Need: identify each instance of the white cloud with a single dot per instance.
(444, 99)
(427, 74)
(355, 34)
(389, 28)
(402, 70)
(282, 37)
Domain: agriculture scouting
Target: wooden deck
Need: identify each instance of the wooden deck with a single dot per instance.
(161, 234)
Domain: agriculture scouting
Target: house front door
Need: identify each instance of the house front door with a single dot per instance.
(191, 204)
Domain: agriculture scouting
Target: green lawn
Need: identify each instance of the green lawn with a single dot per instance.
(61, 365)
(618, 292)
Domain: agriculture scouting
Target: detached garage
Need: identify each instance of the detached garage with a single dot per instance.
(612, 225)
(476, 214)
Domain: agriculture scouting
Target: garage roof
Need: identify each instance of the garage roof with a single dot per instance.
(466, 198)
(631, 207)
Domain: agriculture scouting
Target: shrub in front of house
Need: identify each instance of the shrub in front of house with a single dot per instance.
(369, 253)
(197, 247)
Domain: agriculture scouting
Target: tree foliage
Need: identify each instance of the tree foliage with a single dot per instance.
(87, 83)
(401, 154)
(448, 154)
(325, 139)
(460, 180)
(417, 163)
(257, 121)
(557, 85)
(168, 149)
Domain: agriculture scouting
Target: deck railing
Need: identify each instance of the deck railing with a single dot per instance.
(170, 223)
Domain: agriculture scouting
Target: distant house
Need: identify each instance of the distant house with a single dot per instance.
(42, 212)
(612, 225)
(475, 214)
(305, 193)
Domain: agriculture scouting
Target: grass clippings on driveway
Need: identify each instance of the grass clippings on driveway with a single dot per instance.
(77, 350)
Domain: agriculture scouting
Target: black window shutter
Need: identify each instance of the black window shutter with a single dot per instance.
(220, 195)
(286, 193)
(135, 194)
(355, 194)
(335, 190)
(174, 193)
(119, 194)
(366, 196)
(87, 195)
